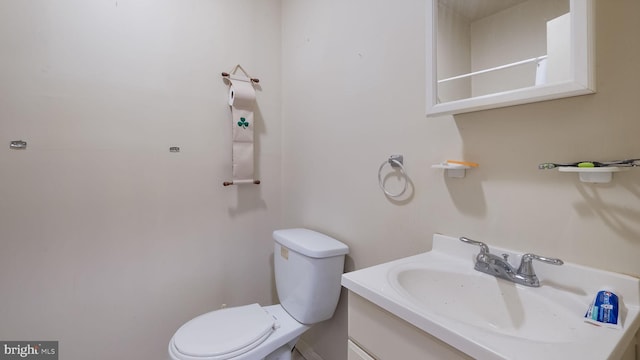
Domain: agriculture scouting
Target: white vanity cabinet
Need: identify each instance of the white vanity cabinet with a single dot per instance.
(375, 333)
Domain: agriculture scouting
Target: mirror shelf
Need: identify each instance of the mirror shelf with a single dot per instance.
(565, 72)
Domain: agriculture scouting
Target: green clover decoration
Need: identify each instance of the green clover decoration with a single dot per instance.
(243, 123)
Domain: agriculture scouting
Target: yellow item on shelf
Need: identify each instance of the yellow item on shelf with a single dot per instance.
(465, 163)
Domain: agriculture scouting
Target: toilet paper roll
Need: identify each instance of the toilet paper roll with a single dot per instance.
(241, 92)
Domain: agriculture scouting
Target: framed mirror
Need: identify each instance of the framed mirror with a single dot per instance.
(484, 54)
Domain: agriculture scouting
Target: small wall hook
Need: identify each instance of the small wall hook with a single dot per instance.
(18, 145)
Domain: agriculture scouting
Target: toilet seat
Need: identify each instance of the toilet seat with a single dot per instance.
(223, 334)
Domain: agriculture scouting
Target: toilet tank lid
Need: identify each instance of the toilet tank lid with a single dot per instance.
(310, 243)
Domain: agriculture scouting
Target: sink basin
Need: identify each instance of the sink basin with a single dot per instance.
(499, 306)
(486, 317)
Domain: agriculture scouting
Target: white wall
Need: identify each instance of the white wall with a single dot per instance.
(353, 94)
(514, 34)
(109, 241)
(453, 54)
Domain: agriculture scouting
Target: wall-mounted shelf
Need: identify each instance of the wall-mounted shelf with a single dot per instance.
(597, 175)
(455, 169)
(501, 67)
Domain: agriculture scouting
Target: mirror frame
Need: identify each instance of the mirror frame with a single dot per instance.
(582, 61)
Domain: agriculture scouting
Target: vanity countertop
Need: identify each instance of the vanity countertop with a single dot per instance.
(489, 318)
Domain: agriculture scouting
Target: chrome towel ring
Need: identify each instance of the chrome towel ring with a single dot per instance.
(396, 162)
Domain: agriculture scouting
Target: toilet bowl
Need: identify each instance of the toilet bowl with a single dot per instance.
(239, 335)
(308, 266)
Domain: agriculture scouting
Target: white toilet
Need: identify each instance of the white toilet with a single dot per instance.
(308, 266)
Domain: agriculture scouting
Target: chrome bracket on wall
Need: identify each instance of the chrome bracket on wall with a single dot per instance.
(18, 145)
(397, 163)
(395, 159)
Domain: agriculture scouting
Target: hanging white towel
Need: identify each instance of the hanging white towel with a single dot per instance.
(242, 98)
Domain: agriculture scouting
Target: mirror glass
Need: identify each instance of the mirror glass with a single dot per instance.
(493, 53)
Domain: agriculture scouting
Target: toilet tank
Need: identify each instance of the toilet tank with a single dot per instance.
(308, 267)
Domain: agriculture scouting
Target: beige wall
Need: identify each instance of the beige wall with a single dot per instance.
(453, 54)
(109, 241)
(353, 93)
(508, 36)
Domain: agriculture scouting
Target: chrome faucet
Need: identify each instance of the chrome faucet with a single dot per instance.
(499, 266)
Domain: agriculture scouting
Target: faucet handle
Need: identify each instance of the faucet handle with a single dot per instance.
(484, 249)
(526, 266)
